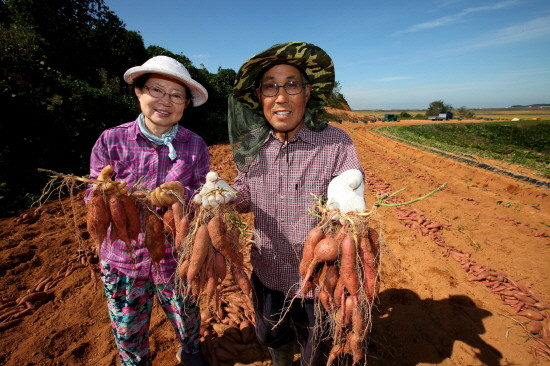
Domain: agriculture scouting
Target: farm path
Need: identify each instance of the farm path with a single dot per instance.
(450, 265)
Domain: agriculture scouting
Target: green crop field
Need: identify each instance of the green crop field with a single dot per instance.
(526, 143)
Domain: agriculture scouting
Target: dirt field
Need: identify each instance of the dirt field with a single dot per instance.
(453, 267)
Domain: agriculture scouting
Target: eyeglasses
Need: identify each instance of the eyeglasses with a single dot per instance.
(291, 88)
(159, 93)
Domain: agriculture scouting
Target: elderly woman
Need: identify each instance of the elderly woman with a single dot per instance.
(145, 153)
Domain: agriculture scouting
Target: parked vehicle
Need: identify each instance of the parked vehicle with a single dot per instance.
(443, 116)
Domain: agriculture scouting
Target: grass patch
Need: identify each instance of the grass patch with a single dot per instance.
(525, 143)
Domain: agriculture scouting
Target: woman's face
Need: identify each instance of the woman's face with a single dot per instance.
(161, 113)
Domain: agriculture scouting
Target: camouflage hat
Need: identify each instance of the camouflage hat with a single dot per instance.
(310, 59)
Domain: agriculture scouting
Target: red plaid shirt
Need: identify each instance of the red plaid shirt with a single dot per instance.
(277, 189)
(136, 159)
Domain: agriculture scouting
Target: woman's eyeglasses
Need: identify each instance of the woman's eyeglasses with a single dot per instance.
(159, 93)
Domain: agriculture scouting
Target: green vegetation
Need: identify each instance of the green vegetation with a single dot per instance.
(523, 143)
(438, 106)
(480, 114)
(61, 67)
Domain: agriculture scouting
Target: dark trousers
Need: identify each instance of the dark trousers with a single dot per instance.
(298, 324)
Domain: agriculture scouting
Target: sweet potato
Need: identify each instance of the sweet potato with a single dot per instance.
(169, 223)
(98, 219)
(313, 237)
(326, 250)
(154, 237)
(119, 220)
(182, 228)
(240, 277)
(181, 222)
(348, 269)
(201, 245)
(531, 314)
(331, 277)
(220, 240)
(220, 265)
(182, 270)
(369, 267)
(339, 292)
(337, 350)
(132, 214)
(356, 347)
(211, 280)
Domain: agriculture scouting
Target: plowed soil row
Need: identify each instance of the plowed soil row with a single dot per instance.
(433, 306)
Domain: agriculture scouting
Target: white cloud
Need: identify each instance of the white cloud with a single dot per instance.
(442, 21)
(536, 28)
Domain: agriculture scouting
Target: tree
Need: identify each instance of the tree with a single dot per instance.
(437, 107)
(462, 112)
(337, 99)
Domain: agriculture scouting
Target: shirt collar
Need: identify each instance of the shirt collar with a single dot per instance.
(182, 135)
(305, 134)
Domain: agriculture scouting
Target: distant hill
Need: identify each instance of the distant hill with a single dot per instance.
(532, 106)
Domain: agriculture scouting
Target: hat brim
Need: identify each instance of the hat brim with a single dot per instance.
(310, 59)
(199, 95)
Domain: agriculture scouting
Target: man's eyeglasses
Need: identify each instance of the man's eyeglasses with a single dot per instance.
(291, 88)
(159, 93)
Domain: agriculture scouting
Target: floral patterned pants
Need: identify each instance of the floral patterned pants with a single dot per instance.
(130, 302)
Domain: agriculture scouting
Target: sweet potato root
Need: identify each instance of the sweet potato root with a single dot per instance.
(98, 219)
(201, 245)
(154, 237)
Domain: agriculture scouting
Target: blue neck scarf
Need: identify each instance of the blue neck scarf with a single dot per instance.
(166, 138)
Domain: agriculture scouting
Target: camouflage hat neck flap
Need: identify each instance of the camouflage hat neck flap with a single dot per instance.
(247, 130)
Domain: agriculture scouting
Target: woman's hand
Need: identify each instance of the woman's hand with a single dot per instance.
(107, 186)
(167, 193)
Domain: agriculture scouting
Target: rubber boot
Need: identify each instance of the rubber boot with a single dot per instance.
(282, 356)
(190, 359)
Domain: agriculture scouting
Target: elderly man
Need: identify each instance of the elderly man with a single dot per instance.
(285, 152)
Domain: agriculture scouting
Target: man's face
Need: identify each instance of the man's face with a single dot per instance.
(284, 112)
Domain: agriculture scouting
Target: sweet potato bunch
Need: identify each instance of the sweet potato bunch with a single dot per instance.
(213, 252)
(129, 213)
(117, 211)
(340, 265)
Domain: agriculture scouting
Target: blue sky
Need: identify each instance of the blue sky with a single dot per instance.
(394, 54)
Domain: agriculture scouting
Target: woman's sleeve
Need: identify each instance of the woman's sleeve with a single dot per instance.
(99, 158)
(202, 167)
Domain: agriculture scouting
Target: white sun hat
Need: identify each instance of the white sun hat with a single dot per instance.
(170, 67)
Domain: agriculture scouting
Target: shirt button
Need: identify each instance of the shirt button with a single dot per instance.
(282, 197)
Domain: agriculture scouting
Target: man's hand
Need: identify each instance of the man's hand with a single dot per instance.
(110, 187)
(167, 193)
(346, 193)
(215, 192)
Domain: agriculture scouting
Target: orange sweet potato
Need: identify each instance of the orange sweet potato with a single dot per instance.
(348, 270)
(313, 237)
(119, 220)
(201, 246)
(133, 226)
(221, 242)
(98, 219)
(154, 237)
